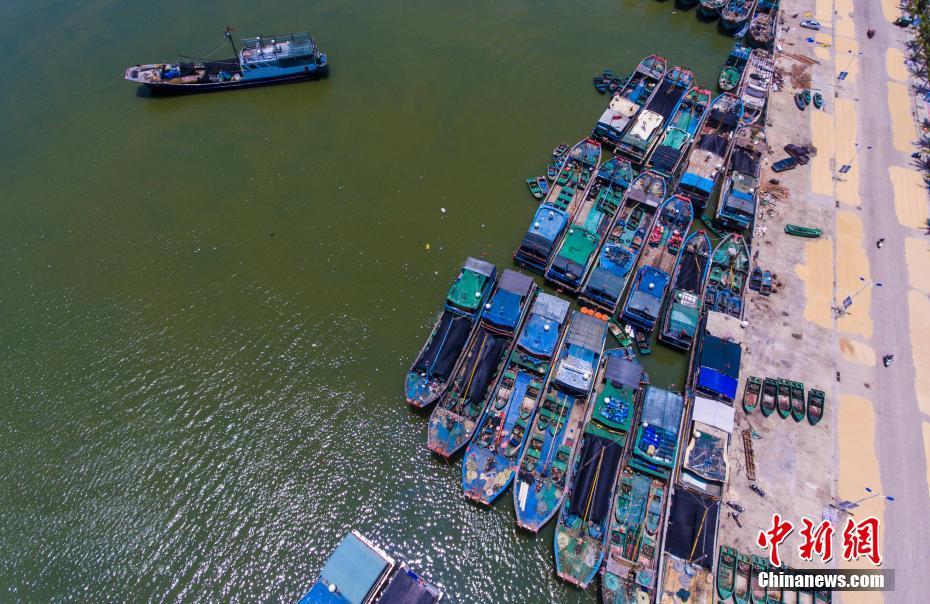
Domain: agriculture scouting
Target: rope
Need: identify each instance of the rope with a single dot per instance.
(694, 543)
(597, 474)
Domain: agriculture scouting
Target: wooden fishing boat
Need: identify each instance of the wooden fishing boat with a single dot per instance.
(735, 14)
(261, 61)
(647, 292)
(710, 9)
(726, 572)
(754, 92)
(769, 395)
(555, 435)
(815, 402)
(491, 458)
(731, 76)
(729, 272)
(560, 151)
(581, 532)
(756, 591)
(685, 304)
(642, 343)
(736, 206)
(818, 100)
(799, 231)
(679, 135)
(798, 409)
(741, 585)
(806, 95)
(765, 288)
(608, 279)
(784, 398)
(618, 173)
(763, 26)
(455, 417)
(538, 186)
(711, 150)
(755, 279)
(552, 171)
(751, 394)
(630, 99)
(453, 332)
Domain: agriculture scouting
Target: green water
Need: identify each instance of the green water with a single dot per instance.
(208, 304)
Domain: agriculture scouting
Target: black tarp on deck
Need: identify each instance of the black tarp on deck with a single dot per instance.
(743, 162)
(723, 118)
(404, 589)
(713, 143)
(444, 349)
(666, 99)
(691, 271)
(665, 158)
(692, 525)
(600, 458)
(488, 359)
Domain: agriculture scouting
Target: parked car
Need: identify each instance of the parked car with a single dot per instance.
(789, 163)
(811, 24)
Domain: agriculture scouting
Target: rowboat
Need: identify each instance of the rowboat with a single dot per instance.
(555, 435)
(751, 394)
(581, 532)
(608, 279)
(757, 591)
(765, 287)
(559, 151)
(815, 402)
(492, 456)
(642, 342)
(729, 272)
(755, 278)
(784, 398)
(743, 574)
(454, 330)
(538, 186)
(679, 135)
(726, 572)
(731, 76)
(818, 100)
(736, 207)
(797, 401)
(627, 102)
(684, 306)
(799, 231)
(769, 394)
(453, 421)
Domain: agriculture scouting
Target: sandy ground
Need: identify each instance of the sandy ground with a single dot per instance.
(894, 63)
(910, 196)
(917, 253)
(902, 121)
(847, 132)
(856, 352)
(918, 305)
(822, 138)
(851, 265)
(817, 275)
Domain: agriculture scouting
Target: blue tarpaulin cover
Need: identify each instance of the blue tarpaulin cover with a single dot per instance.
(713, 381)
(354, 568)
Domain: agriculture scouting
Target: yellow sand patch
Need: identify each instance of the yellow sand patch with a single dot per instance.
(822, 43)
(857, 352)
(917, 253)
(919, 309)
(847, 190)
(843, 26)
(822, 138)
(847, 57)
(824, 10)
(927, 448)
(817, 274)
(890, 9)
(899, 103)
(910, 196)
(894, 64)
(852, 263)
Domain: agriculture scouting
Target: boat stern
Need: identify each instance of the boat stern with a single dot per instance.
(448, 432)
(485, 475)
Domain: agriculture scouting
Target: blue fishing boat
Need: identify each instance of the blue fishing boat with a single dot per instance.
(559, 206)
(676, 143)
(683, 310)
(569, 266)
(736, 208)
(263, 60)
(456, 416)
(581, 533)
(556, 432)
(735, 14)
(492, 456)
(627, 102)
(608, 279)
(711, 150)
(728, 276)
(641, 136)
(710, 9)
(618, 172)
(645, 299)
(454, 330)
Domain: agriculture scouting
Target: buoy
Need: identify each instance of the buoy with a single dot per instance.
(535, 225)
(427, 246)
(607, 399)
(487, 306)
(744, 324)
(332, 588)
(652, 286)
(546, 327)
(477, 294)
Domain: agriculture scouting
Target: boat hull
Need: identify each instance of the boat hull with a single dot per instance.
(169, 89)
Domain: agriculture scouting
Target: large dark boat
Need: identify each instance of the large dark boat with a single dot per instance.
(263, 60)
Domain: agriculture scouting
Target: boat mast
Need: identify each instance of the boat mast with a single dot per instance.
(231, 43)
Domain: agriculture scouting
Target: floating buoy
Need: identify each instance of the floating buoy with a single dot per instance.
(652, 286)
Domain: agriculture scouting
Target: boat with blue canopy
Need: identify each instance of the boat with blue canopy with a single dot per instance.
(581, 533)
(455, 417)
(556, 432)
(629, 100)
(683, 310)
(455, 328)
(716, 359)
(262, 60)
(492, 456)
(676, 142)
(608, 279)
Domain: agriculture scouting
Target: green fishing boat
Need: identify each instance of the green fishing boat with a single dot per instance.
(732, 73)
(797, 401)
(751, 394)
(783, 399)
(806, 95)
(741, 583)
(756, 591)
(538, 186)
(726, 572)
(799, 231)
(818, 100)
(815, 401)
(769, 392)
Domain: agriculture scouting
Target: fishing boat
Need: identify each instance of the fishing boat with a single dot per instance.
(765, 287)
(731, 76)
(711, 151)
(683, 310)
(627, 102)
(679, 135)
(262, 60)
(492, 456)
(581, 531)
(756, 590)
(607, 280)
(763, 26)
(751, 394)
(729, 273)
(538, 186)
(773, 595)
(769, 394)
(456, 416)
(618, 173)
(736, 207)
(784, 398)
(734, 15)
(760, 72)
(557, 208)
(556, 432)
(815, 401)
(641, 136)
(818, 100)
(579, 249)
(642, 342)
(798, 409)
(800, 231)
(453, 332)
(710, 9)
(726, 572)
(755, 279)
(559, 151)
(644, 302)
(637, 516)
